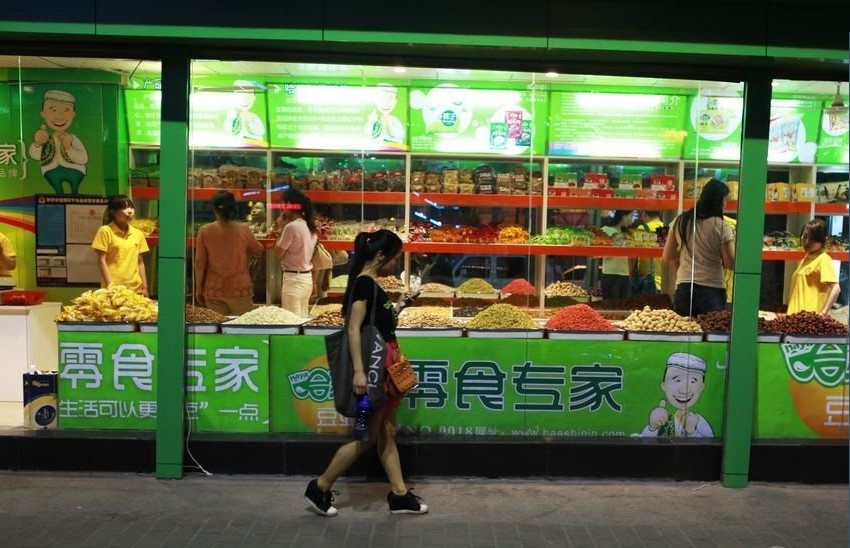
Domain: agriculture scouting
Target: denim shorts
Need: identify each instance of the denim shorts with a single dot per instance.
(705, 299)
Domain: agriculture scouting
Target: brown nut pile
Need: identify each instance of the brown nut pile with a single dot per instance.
(719, 320)
(560, 302)
(665, 321)
(427, 319)
(390, 282)
(436, 288)
(466, 312)
(328, 319)
(564, 289)
(806, 323)
(199, 314)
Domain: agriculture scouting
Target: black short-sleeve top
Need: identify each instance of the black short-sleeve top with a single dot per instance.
(364, 289)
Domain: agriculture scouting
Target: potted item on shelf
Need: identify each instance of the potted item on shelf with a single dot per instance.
(432, 183)
(451, 181)
(803, 192)
(417, 181)
(595, 180)
(139, 177)
(778, 192)
(485, 181)
(396, 182)
(504, 182)
(466, 181)
(380, 180)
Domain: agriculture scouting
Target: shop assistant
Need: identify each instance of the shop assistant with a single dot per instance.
(814, 285)
(8, 260)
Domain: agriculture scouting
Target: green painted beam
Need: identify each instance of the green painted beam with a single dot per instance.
(739, 410)
(42, 28)
(649, 46)
(171, 336)
(212, 33)
(436, 39)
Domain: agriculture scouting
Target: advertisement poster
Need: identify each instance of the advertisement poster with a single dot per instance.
(714, 128)
(453, 119)
(225, 112)
(619, 125)
(542, 388)
(66, 226)
(834, 140)
(802, 391)
(108, 381)
(339, 117)
(794, 126)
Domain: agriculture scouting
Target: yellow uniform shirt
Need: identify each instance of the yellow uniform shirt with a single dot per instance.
(8, 251)
(122, 253)
(645, 264)
(729, 275)
(810, 283)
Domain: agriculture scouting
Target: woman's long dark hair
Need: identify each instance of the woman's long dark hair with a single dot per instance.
(710, 204)
(116, 203)
(295, 196)
(366, 246)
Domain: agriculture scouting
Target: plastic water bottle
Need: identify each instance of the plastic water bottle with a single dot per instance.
(361, 422)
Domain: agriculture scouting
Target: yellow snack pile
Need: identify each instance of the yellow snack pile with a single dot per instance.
(115, 303)
(502, 316)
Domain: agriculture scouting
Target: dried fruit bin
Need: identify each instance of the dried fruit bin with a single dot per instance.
(570, 335)
(664, 336)
(505, 333)
(448, 332)
(122, 327)
(260, 329)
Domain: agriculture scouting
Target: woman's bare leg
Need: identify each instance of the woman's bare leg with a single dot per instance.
(347, 454)
(388, 451)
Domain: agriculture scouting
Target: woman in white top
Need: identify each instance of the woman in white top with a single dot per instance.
(699, 246)
(295, 249)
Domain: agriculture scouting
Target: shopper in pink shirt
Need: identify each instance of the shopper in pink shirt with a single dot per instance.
(222, 252)
(295, 249)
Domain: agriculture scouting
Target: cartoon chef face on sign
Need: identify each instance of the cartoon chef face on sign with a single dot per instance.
(445, 109)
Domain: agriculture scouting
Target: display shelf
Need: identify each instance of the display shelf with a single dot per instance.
(355, 197)
(832, 209)
(494, 200)
(267, 243)
(243, 194)
(575, 202)
(531, 249)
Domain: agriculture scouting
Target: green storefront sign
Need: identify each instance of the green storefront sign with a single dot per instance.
(108, 381)
(450, 118)
(338, 117)
(794, 125)
(621, 125)
(511, 387)
(802, 391)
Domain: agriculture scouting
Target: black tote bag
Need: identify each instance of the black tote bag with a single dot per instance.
(342, 371)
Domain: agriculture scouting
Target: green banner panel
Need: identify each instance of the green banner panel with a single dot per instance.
(511, 387)
(338, 117)
(108, 381)
(449, 118)
(622, 125)
(794, 125)
(714, 128)
(225, 111)
(802, 391)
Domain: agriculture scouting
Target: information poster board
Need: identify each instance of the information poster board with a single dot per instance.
(452, 119)
(338, 117)
(714, 128)
(619, 125)
(65, 227)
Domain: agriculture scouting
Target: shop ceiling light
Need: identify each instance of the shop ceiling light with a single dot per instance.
(837, 100)
(552, 74)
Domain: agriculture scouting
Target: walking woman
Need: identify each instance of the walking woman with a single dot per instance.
(375, 254)
(295, 249)
(119, 247)
(814, 285)
(700, 245)
(222, 251)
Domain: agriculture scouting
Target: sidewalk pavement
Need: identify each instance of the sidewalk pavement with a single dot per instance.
(123, 510)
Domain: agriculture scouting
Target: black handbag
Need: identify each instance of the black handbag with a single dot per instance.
(374, 350)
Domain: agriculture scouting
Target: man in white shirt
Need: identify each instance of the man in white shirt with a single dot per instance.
(62, 155)
(684, 381)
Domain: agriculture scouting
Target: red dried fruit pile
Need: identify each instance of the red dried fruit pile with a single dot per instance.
(578, 317)
(806, 323)
(521, 300)
(519, 286)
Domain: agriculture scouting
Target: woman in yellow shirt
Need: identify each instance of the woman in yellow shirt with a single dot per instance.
(814, 285)
(119, 247)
